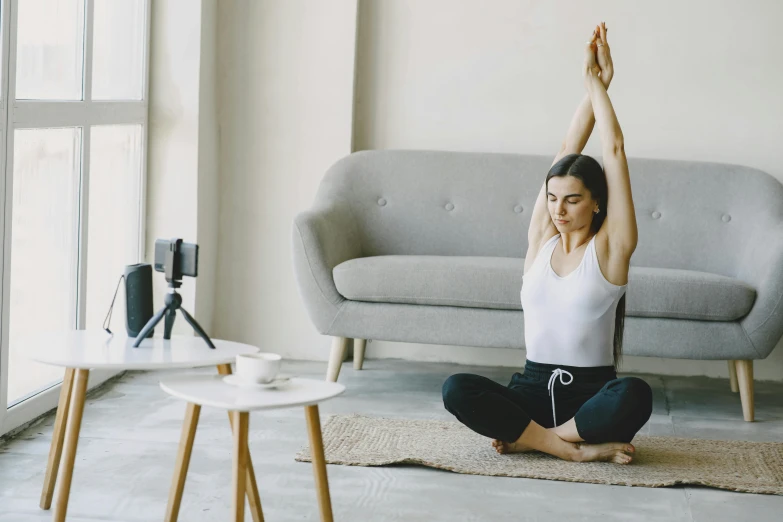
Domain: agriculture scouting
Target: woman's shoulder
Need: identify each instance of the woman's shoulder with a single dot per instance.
(535, 247)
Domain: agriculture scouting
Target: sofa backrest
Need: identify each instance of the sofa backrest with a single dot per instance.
(690, 215)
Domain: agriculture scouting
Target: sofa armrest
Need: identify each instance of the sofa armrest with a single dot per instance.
(322, 238)
(762, 268)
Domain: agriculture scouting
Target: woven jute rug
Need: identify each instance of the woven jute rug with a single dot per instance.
(358, 440)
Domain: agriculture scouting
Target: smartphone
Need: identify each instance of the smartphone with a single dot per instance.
(187, 255)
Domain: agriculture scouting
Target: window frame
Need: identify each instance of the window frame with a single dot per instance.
(31, 114)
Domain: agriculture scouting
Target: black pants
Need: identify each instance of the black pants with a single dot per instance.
(607, 409)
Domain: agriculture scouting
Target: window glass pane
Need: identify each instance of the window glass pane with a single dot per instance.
(114, 213)
(118, 49)
(49, 52)
(43, 248)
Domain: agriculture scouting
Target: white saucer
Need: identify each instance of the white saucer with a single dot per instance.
(234, 380)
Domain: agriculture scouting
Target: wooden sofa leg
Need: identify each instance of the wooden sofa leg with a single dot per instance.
(339, 347)
(733, 376)
(358, 353)
(745, 381)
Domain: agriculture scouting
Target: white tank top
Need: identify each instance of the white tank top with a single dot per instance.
(569, 320)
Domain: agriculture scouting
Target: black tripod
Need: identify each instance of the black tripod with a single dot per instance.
(172, 256)
(173, 302)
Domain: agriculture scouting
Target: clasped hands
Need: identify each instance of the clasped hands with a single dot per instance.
(598, 59)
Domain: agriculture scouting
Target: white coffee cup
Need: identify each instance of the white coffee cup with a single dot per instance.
(258, 368)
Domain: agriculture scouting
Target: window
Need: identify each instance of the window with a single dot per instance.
(73, 134)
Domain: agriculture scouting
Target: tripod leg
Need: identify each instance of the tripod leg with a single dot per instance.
(192, 321)
(169, 323)
(149, 326)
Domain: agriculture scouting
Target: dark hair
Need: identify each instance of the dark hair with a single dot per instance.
(593, 177)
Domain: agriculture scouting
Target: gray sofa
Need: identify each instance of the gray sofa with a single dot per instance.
(429, 246)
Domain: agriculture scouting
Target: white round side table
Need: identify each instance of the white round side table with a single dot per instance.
(79, 351)
(208, 390)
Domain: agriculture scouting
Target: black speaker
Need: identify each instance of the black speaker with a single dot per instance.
(138, 298)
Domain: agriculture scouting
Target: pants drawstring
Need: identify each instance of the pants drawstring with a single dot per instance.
(551, 387)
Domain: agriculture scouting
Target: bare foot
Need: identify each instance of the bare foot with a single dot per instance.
(510, 447)
(617, 452)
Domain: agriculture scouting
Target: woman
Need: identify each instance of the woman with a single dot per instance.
(573, 297)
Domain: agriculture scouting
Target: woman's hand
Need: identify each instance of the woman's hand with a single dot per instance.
(590, 67)
(598, 60)
(604, 57)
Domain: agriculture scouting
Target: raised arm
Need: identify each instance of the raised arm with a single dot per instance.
(579, 132)
(620, 213)
(584, 119)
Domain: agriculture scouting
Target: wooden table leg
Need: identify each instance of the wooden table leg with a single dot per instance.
(72, 429)
(183, 461)
(242, 419)
(251, 486)
(56, 449)
(319, 462)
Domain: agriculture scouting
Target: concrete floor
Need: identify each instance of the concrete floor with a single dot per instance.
(131, 429)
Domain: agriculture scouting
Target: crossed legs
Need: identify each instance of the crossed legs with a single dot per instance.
(519, 418)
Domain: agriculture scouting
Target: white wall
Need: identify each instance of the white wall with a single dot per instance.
(285, 91)
(182, 198)
(694, 80)
(504, 75)
(208, 198)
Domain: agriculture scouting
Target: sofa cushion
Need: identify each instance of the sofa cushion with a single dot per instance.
(495, 282)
